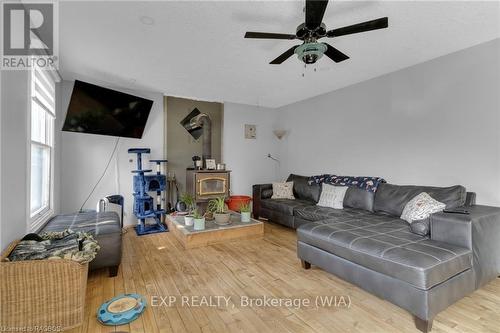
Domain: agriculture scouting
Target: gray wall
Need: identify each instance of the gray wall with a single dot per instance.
(436, 123)
(84, 157)
(14, 142)
(181, 146)
(247, 158)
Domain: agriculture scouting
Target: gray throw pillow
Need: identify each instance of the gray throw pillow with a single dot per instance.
(420, 227)
(266, 194)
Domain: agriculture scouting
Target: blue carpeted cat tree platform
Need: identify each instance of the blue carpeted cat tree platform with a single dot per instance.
(144, 207)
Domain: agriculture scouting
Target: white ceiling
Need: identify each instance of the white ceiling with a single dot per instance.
(197, 49)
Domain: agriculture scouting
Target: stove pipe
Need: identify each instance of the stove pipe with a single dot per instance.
(202, 121)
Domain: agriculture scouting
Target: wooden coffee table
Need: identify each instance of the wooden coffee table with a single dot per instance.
(213, 233)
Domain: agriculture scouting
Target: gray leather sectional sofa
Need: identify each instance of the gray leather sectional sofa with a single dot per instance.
(367, 244)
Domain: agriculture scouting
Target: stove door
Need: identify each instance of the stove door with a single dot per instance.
(211, 186)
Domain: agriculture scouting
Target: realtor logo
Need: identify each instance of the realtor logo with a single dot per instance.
(28, 37)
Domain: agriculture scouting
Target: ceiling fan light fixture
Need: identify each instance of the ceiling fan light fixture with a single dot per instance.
(309, 53)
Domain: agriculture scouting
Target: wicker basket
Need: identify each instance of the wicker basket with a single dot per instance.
(41, 293)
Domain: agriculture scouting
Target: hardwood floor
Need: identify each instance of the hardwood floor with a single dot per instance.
(157, 266)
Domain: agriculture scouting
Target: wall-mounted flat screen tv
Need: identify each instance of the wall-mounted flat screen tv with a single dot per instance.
(97, 110)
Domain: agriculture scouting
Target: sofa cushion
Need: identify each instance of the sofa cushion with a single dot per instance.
(392, 199)
(386, 245)
(318, 213)
(284, 206)
(95, 223)
(359, 198)
(302, 190)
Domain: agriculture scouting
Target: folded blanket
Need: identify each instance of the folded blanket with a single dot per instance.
(67, 244)
(369, 184)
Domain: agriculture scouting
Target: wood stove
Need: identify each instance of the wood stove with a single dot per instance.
(204, 185)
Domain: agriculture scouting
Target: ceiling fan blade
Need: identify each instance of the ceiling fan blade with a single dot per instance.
(287, 54)
(334, 54)
(268, 35)
(315, 9)
(380, 23)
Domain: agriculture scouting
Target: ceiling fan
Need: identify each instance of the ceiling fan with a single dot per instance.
(312, 30)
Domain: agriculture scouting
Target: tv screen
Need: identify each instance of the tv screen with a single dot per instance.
(99, 110)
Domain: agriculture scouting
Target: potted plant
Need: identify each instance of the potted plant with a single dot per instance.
(218, 207)
(245, 212)
(188, 199)
(199, 220)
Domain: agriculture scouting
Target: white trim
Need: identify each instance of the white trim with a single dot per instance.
(39, 220)
(28, 152)
(1, 186)
(44, 145)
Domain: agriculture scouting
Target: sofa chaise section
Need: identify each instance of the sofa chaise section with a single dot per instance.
(422, 274)
(367, 243)
(386, 245)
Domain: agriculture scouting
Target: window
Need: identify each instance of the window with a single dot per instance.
(42, 144)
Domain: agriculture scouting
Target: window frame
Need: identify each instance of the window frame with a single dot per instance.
(38, 218)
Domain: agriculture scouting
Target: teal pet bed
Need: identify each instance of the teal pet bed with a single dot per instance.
(121, 309)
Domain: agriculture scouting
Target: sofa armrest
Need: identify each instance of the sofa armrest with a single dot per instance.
(478, 231)
(470, 199)
(258, 192)
(452, 228)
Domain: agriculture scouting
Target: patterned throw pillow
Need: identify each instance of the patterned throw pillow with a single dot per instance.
(421, 207)
(332, 196)
(283, 191)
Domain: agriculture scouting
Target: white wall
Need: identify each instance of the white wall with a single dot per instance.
(436, 123)
(247, 158)
(84, 157)
(14, 150)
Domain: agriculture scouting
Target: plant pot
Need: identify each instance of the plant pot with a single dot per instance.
(188, 220)
(199, 224)
(245, 216)
(222, 218)
(235, 201)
